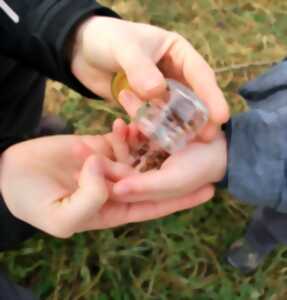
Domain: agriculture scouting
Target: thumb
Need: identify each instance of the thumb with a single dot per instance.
(142, 72)
(90, 196)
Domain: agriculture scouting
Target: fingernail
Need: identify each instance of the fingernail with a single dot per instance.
(126, 96)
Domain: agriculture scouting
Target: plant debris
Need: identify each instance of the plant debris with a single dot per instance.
(148, 158)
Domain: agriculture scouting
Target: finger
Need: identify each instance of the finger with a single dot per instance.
(209, 132)
(94, 189)
(172, 180)
(120, 148)
(156, 184)
(85, 202)
(116, 171)
(121, 129)
(202, 79)
(154, 210)
(130, 102)
(147, 80)
(119, 143)
(114, 213)
(96, 145)
(134, 136)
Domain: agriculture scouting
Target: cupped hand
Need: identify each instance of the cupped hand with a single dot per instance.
(198, 166)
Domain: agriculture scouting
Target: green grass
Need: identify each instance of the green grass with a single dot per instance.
(182, 256)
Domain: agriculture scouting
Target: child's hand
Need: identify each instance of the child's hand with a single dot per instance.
(147, 54)
(182, 174)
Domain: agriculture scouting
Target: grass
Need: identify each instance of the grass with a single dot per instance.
(179, 257)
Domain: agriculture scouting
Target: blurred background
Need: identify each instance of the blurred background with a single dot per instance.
(182, 256)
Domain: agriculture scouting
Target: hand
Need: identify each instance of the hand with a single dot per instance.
(63, 185)
(123, 141)
(197, 166)
(147, 54)
(58, 184)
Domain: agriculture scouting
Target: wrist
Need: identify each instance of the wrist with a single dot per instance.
(75, 41)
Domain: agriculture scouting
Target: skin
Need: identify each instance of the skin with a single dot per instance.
(162, 54)
(98, 54)
(199, 165)
(66, 184)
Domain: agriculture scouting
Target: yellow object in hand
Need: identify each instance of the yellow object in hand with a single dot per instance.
(119, 83)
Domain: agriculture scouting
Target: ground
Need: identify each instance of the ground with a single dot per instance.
(180, 257)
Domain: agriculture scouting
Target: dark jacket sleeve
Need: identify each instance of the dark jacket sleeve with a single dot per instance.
(35, 32)
(257, 143)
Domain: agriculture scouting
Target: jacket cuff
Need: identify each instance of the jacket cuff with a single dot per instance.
(227, 129)
(60, 22)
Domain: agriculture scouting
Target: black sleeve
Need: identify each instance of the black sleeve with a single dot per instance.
(35, 32)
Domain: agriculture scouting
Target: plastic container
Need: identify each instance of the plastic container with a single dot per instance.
(172, 122)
